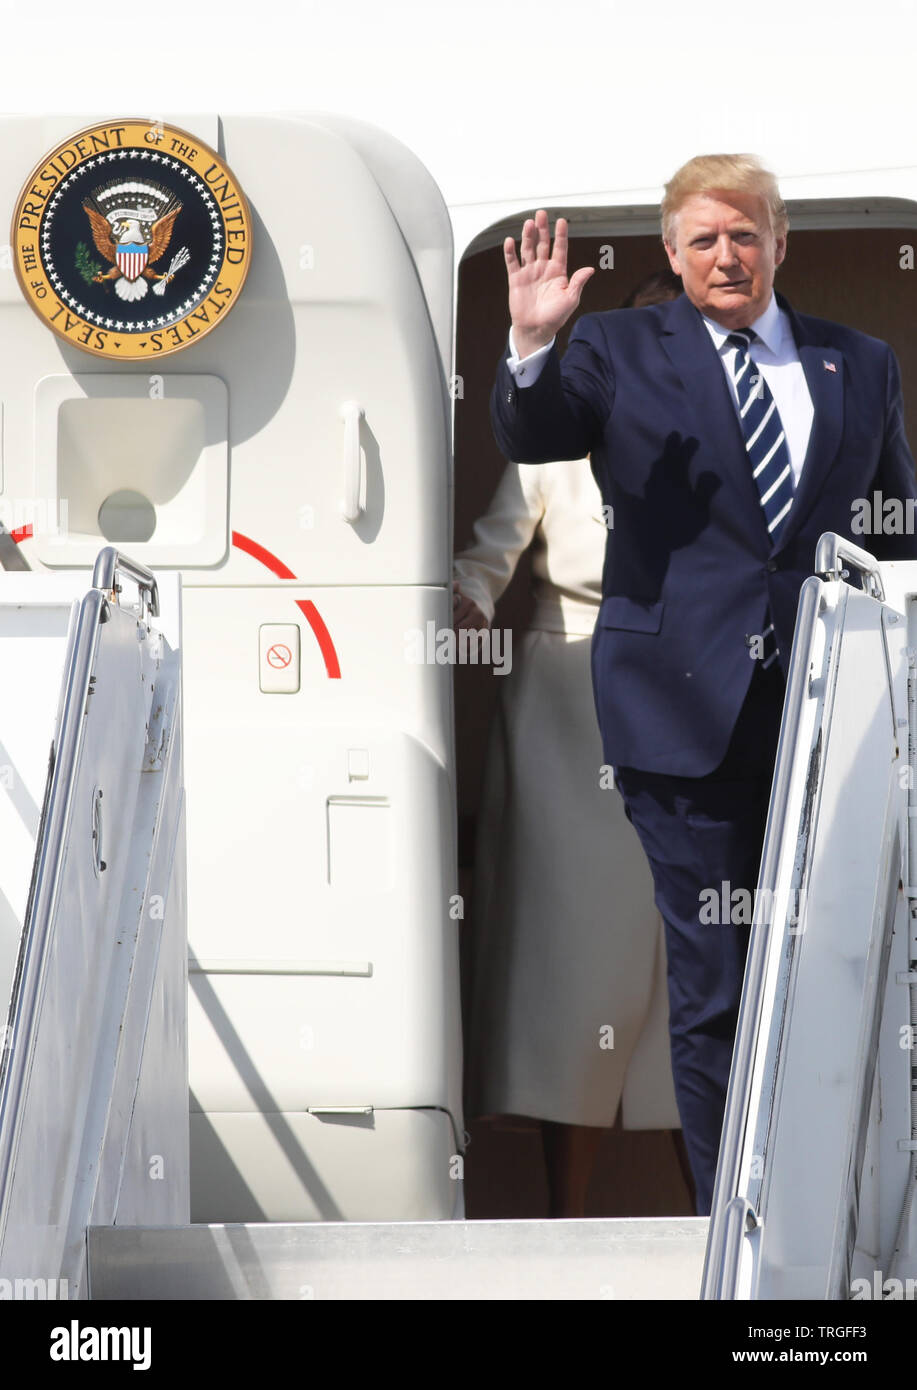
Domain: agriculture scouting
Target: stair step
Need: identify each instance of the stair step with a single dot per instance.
(659, 1258)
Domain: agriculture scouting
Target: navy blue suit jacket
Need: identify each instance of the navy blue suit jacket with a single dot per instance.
(690, 570)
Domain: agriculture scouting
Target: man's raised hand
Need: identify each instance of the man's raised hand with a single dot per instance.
(541, 298)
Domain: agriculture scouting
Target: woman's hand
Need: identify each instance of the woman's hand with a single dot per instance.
(465, 612)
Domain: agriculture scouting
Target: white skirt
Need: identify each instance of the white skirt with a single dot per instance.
(568, 1010)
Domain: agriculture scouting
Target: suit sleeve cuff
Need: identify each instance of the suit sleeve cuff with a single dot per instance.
(526, 370)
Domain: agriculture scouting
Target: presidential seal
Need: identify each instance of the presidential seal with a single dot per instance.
(132, 239)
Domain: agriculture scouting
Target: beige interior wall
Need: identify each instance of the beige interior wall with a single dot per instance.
(853, 277)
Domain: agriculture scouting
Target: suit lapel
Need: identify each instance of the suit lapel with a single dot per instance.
(691, 350)
(692, 353)
(824, 372)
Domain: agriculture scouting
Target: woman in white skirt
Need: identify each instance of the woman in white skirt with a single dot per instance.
(568, 1015)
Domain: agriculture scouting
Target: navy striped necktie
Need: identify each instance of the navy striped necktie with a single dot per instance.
(765, 440)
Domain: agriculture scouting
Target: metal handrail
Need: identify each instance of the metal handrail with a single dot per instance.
(51, 848)
(110, 562)
(721, 1263)
(727, 1173)
(736, 1218)
(46, 878)
(831, 549)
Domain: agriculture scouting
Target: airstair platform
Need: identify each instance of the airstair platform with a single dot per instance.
(659, 1258)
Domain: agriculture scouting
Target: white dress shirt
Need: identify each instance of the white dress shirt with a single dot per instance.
(773, 352)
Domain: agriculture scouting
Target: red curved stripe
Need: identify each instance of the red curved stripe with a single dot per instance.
(306, 606)
(258, 552)
(322, 636)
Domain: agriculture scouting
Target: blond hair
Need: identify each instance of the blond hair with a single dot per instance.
(737, 173)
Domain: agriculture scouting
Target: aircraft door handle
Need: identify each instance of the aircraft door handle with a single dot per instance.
(352, 413)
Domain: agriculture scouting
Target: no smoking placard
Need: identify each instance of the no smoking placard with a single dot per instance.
(278, 658)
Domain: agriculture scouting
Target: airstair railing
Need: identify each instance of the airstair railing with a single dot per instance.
(738, 1220)
(110, 562)
(832, 549)
(735, 1226)
(29, 976)
(726, 1235)
(52, 841)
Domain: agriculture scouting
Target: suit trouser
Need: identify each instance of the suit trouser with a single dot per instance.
(706, 833)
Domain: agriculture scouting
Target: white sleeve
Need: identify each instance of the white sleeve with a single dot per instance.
(485, 567)
(527, 370)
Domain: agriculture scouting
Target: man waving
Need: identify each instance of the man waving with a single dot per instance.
(727, 433)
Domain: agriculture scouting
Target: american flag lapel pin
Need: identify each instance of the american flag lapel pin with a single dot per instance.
(828, 366)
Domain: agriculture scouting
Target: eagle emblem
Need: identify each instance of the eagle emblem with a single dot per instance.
(121, 206)
(132, 221)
